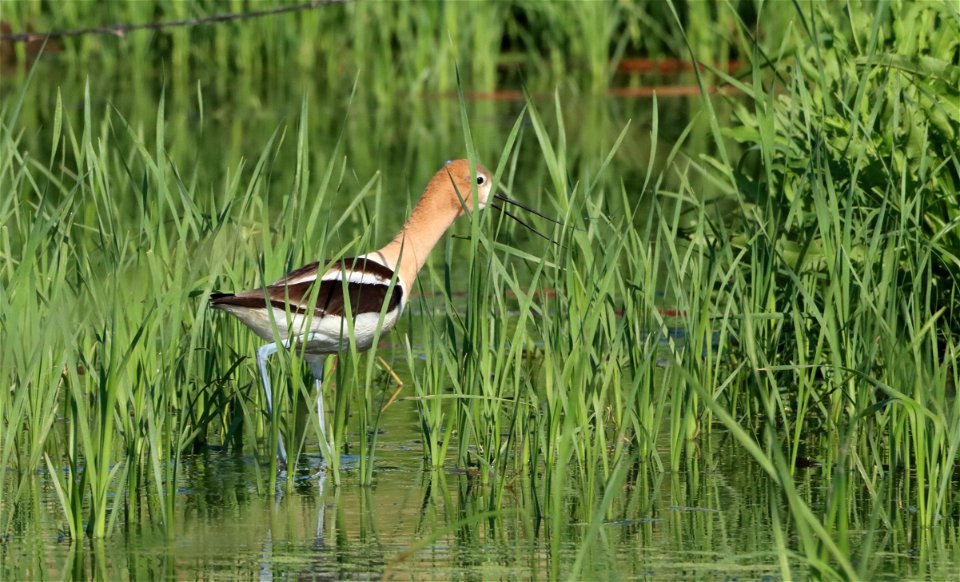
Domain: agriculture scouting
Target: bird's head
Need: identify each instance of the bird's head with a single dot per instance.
(453, 185)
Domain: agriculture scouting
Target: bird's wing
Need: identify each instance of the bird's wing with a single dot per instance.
(367, 286)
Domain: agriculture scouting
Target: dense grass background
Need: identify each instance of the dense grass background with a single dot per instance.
(803, 226)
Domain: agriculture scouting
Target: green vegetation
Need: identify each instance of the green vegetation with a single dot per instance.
(802, 226)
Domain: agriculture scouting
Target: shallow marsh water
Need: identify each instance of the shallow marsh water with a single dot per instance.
(711, 521)
(708, 522)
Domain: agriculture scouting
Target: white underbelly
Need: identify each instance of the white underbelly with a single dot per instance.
(329, 334)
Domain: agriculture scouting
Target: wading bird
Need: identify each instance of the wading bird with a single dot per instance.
(308, 307)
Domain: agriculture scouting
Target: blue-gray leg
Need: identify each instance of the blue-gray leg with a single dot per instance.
(264, 352)
(316, 367)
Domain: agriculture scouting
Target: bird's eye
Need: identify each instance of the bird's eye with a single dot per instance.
(480, 180)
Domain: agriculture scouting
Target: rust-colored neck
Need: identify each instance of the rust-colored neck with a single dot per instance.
(431, 217)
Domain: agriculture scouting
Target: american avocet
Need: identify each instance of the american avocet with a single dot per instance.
(307, 307)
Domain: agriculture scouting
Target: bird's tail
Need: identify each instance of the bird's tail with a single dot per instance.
(216, 298)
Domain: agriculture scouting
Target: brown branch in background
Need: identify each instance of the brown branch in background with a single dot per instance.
(122, 29)
(622, 92)
(668, 66)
